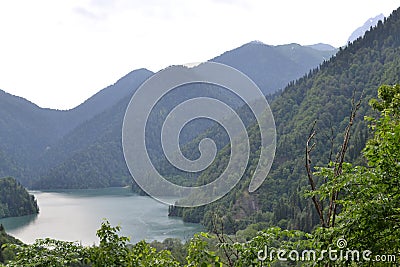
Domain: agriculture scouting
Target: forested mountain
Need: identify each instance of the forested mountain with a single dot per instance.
(27, 132)
(325, 96)
(88, 130)
(322, 47)
(8, 166)
(15, 200)
(109, 96)
(272, 67)
(37, 142)
(91, 155)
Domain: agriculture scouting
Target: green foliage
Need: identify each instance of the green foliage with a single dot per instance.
(5, 253)
(368, 221)
(200, 254)
(324, 95)
(49, 252)
(175, 246)
(143, 255)
(368, 217)
(113, 250)
(68, 149)
(15, 200)
(376, 190)
(369, 198)
(369, 201)
(264, 248)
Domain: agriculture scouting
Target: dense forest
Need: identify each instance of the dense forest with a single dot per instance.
(323, 96)
(79, 157)
(6, 254)
(334, 184)
(46, 148)
(364, 233)
(28, 131)
(15, 200)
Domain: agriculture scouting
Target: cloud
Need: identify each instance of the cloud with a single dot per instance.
(89, 44)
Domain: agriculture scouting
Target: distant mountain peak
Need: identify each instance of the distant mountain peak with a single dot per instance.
(371, 22)
(256, 42)
(322, 47)
(251, 44)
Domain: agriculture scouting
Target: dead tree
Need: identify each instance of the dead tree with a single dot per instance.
(327, 219)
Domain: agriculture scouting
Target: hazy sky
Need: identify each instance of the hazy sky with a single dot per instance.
(57, 53)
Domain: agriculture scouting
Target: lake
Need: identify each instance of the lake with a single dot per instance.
(75, 215)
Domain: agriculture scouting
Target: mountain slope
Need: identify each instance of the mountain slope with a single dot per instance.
(28, 131)
(25, 131)
(9, 166)
(322, 47)
(323, 96)
(95, 118)
(109, 96)
(15, 200)
(96, 159)
(80, 159)
(90, 156)
(272, 67)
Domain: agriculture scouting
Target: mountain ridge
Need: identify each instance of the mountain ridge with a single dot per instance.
(256, 53)
(86, 150)
(322, 47)
(324, 96)
(28, 131)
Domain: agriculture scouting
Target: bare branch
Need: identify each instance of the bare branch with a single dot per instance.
(309, 148)
(222, 240)
(340, 158)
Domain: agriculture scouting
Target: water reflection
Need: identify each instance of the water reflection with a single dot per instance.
(75, 215)
(14, 223)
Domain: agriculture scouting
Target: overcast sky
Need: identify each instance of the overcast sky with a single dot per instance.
(57, 53)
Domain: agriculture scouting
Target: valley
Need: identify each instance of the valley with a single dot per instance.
(334, 177)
